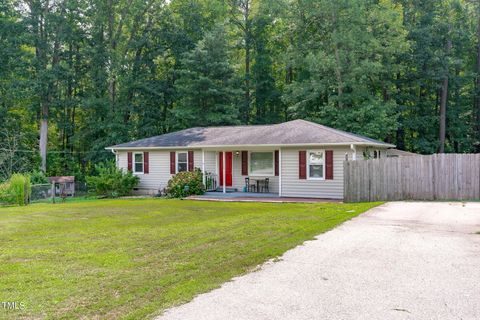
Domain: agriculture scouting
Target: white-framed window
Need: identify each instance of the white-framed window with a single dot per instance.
(372, 154)
(261, 163)
(138, 162)
(316, 164)
(182, 161)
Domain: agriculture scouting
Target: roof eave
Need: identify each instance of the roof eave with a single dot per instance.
(236, 146)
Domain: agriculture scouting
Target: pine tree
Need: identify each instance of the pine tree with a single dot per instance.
(267, 101)
(207, 86)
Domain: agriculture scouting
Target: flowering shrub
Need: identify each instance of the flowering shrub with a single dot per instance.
(185, 183)
(111, 181)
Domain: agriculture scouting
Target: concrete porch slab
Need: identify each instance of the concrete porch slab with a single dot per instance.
(254, 197)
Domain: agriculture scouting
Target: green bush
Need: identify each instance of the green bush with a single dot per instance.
(111, 181)
(16, 190)
(38, 177)
(185, 183)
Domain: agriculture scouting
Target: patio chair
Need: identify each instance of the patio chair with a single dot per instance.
(250, 187)
(265, 186)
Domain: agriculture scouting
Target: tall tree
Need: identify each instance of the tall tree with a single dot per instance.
(419, 85)
(18, 131)
(444, 98)
(345, 61)
(440, 48)
(46, 43)
(241, 16)
(79, 75)
(477, 83)
(267, 104)
(206, 85)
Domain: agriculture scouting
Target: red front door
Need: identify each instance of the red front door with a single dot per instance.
(228, 168)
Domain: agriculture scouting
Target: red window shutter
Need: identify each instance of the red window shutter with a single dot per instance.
(129, 161)
(329, 164)
(146, 163)
(172, 162)
(244, 163)
(190, 161)
(276, 162)
(302, 164)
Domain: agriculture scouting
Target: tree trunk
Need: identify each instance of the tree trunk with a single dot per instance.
(38, 14)
(288, 81)
(241, 8)
(338, 70)
(400, 137)
(247, 61)
(338, 73)
(112, 81)
(477, 89)
(43, 136)
(443, 114)
(443, 105)
(400, 133)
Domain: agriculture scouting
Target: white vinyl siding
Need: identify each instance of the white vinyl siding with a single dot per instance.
(159, 169)
(292, 186)
(197, 159)
(210, 161)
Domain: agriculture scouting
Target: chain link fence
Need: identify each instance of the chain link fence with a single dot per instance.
(41, 193)
(57, 192)
(81, 189)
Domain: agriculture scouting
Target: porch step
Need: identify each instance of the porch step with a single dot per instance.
(228, 189)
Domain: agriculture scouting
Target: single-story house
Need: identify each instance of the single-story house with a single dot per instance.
(292, 159)
(396, 153)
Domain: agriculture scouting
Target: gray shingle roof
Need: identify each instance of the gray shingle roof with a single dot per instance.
(294, 132)
(400, 153)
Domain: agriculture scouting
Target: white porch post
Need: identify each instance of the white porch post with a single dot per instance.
(279, 172)
(224, 172)
(203, 167)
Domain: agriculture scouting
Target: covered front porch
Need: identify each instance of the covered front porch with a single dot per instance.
(254, 172)
(254, 197)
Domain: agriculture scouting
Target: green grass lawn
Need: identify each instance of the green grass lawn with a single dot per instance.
(130, 259)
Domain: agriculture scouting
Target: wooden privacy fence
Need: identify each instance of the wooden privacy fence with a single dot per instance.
(433, 177)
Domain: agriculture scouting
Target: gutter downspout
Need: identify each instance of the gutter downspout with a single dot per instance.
(279, 172)
(203, 167)
(224, 172)
(116, 157)
(354, 152)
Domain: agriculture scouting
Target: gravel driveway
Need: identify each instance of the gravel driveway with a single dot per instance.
(402, 260)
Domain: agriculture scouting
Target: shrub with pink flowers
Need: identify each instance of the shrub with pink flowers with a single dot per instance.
(184, 184)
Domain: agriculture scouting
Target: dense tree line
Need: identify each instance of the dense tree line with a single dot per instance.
(79, 75)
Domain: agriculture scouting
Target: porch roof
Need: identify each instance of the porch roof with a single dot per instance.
(296, 132)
